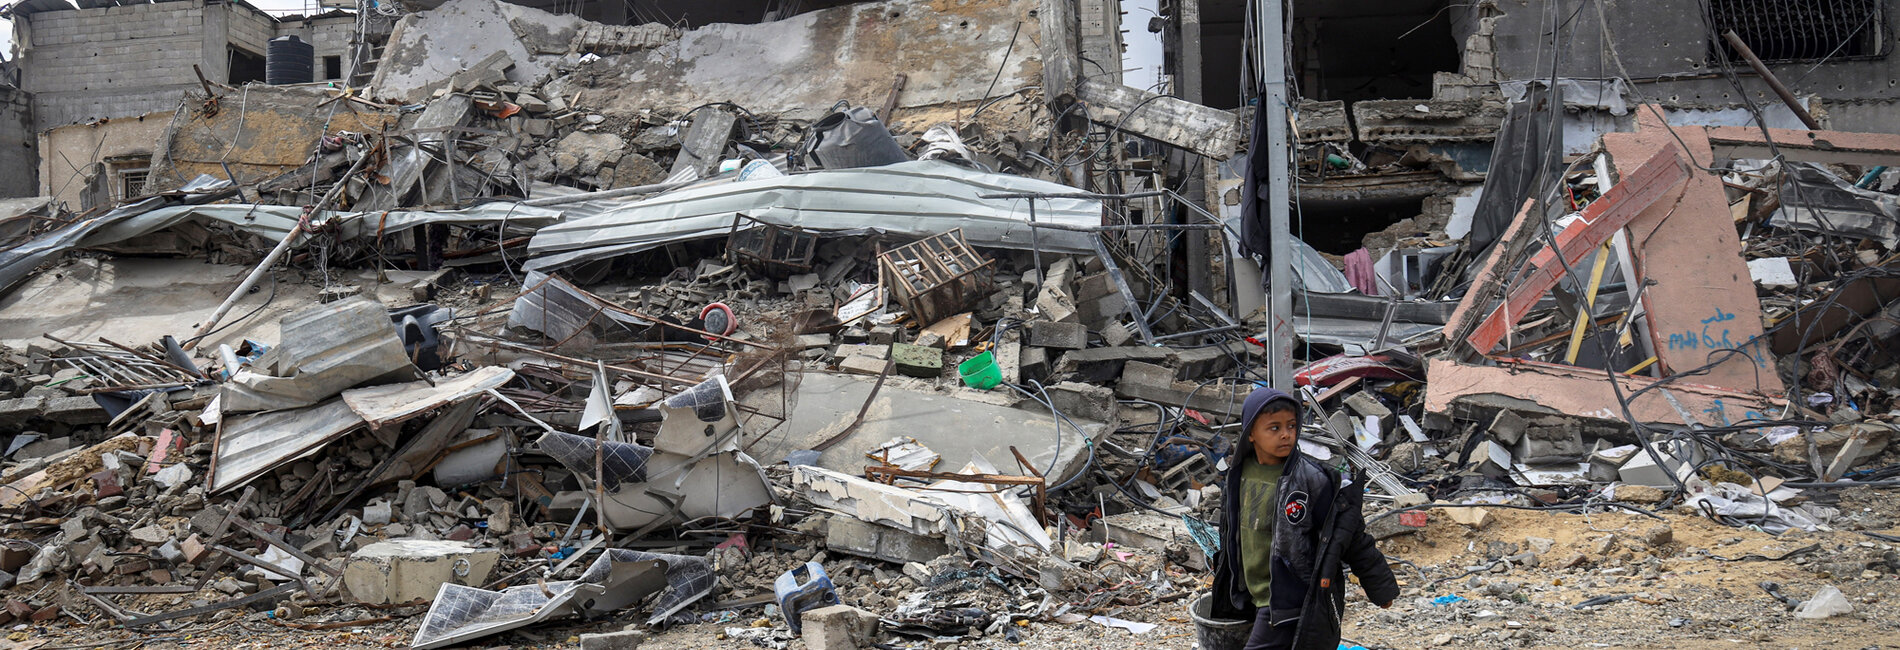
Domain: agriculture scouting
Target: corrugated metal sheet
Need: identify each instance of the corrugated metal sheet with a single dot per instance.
(382, 405)
(557, 308)
(916, 198)
(325, 349)
(250, 445)
(272, 222)
(18, 261)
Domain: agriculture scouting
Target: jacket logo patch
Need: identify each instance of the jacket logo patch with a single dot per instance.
(1295, 509)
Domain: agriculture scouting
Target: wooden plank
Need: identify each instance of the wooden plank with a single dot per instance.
(1207, 131)
(1490, 276)
(890, 102)
(1600, 221)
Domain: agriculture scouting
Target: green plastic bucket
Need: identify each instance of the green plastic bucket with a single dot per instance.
(980, 372)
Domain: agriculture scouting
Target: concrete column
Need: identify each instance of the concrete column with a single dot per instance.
(1101, 39)
(215, 58)
(1187, 83)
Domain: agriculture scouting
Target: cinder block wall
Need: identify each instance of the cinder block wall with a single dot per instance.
(92, 64)
(328, 36)
(250, 30)
(19, 153)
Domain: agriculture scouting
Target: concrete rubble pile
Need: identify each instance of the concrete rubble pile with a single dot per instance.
(507, 340)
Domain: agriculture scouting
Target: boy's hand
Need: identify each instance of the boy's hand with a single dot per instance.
(1385, 605)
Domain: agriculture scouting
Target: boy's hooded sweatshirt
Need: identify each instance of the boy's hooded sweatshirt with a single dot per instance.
(1318, 528)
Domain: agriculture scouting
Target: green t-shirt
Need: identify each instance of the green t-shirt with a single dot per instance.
(1258, 483)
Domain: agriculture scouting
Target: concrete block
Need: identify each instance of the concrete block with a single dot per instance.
(1473, 518)
(932, 340)
(879, 352)
(1098, 365)
(411, 570)
(917, 361)
(1201, 363)
(1142, 380)
(622, 640)
(863, 365)
(1055, 304)
(1508, 427)
(849, 535)
(1099, 312)
(76, 411)
(1117, 334)
(839, 627)
(884, 334)
(41, 448)
(1061, 336)
(1555, 440)
(19, 410)
(1083, 401)
(1641, 470)
(1142, 529)
(1034, 364)
(1009, 358)
(809, 341)
(1094, 286)
(1364, 403)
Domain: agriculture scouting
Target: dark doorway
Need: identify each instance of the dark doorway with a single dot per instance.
(1338, 227)
(1385, 49)
(332, 67)
(246, 67)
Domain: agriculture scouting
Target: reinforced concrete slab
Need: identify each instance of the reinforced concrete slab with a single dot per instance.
(958, 425)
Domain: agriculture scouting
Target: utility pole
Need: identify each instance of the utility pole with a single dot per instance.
(1270, 57)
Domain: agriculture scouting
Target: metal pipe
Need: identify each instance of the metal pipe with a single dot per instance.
(1127, 227)
(271, 259)
(1769, 77)
(1270, 33)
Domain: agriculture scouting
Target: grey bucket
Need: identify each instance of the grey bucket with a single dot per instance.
(1217, 633)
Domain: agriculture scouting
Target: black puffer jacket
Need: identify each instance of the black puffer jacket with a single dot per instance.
(1320, 530)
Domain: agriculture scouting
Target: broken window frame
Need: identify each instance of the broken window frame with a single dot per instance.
(1790, 31)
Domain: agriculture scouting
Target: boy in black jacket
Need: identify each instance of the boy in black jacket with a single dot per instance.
(1287, 525)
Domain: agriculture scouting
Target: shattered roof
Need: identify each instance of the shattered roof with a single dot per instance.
(918, 198)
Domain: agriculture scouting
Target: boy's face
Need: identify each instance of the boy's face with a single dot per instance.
(1273, 436)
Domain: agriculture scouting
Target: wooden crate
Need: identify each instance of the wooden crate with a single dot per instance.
(937, 277)
(774, 251)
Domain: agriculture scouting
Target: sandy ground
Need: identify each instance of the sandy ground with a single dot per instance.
(1681, 597)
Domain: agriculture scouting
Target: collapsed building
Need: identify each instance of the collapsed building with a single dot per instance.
(908, 319)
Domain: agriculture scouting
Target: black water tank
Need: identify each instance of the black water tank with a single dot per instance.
(288, 60)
